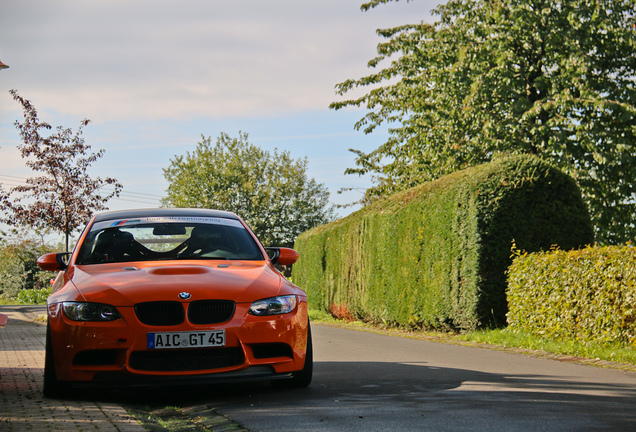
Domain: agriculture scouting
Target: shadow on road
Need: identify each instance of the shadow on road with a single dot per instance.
(408, 393)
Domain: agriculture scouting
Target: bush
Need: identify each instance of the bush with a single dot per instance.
(586, 295)
(18, 266)
(34, 296)
(436, 256)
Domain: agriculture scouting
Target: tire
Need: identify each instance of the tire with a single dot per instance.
(52, 388)
(301, 378)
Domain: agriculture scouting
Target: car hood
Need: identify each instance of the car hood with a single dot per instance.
(125, 284)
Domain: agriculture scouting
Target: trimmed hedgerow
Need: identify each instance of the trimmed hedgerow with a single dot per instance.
(586, 295)
(435, 256)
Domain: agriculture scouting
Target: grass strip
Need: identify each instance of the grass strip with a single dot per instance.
(199, 418)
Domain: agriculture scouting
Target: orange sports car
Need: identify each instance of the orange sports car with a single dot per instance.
(173, 297)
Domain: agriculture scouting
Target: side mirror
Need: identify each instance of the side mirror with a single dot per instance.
(282, 255)
(54, 261)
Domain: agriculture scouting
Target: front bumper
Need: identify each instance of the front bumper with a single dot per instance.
(117, 380)
(115, 354)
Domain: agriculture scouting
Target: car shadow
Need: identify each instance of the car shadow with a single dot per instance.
(371, 387)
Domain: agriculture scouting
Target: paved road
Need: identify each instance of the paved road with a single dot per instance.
(362, 382)
(369, 382)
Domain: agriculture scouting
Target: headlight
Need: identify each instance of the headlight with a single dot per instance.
(274, 306)
(79, 311)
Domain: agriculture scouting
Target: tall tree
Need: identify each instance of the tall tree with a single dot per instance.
(64, 196)
(555, 78)
(270, 191)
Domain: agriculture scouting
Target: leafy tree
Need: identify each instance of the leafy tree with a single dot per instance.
(64, 197)
(270, 191)
(553, 78)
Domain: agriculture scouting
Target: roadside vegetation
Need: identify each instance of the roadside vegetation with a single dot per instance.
(21, 280)
(435, 256)
(173, 418)
(610, 351)
(587, 295)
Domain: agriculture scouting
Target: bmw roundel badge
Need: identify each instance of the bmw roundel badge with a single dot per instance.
(184, 295)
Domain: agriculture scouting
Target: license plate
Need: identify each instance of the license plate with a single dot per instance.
(201, 339)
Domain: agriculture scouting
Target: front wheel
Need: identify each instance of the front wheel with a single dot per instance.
(301, 378)
(52, 388)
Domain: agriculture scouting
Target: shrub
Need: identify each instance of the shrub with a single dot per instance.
(18, 266)
(586, 295)
(435, 256)
(34, 296)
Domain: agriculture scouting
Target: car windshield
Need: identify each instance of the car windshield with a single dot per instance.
(167, 238)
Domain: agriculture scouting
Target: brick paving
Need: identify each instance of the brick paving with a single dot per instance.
(22, 406)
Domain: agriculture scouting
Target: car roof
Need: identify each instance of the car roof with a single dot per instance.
(164, 212)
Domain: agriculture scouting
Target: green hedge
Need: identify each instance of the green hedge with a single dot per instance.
(586, 295)
(435, 256)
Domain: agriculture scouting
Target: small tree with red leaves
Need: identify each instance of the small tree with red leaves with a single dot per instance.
(64, 196)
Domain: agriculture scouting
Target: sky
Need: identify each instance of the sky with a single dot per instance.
(153, 76)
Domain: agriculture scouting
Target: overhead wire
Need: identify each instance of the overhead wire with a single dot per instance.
(136, 197)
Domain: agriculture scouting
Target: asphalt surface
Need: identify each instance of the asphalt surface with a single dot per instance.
(362, 382)
(371, 382)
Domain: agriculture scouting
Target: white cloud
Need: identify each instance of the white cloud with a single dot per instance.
(153, 75)
(120, 59)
